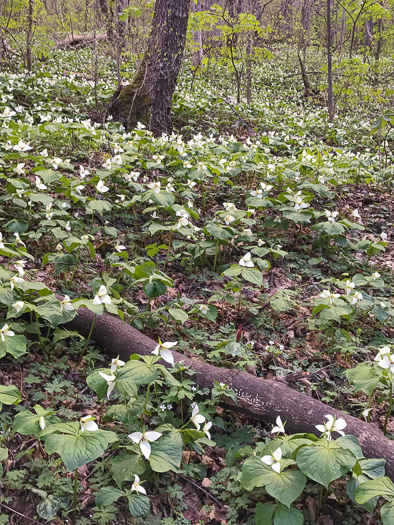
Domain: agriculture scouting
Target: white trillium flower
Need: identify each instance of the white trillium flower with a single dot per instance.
(280, 427)
(120, 248)
(229, 206)
(331, 215)
(155, 186)
(20, 265)
(229, 219)
(260, 242)
(18, 306)
(355, 214)
(326, 294)
(246, 261)
(197, 419)
(365, 413)
(66, 304)
(206, 428)
(204, 308)
(19, 169)
(107, 164)
(1, 243)
(39, 184)
(5, 332)
(87, 423)
(83, 172)
(144, 440)
(383, 236)
(79, 189)
(349, 285)
(358, 296)
(42, 423)
(117, 159)
(136, 485)
(383, 352)
(116, 363)
(15, 280)
(163, 351)
(101, 187)
(332, 425)
(387, 362)
(257, 193)
(102, 296)
(375, 276)
(273, 460)
(110, 379)
(68, 227)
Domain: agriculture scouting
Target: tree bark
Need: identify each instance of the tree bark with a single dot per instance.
(29, 35)
(261, 399)
(329, 64)
(197, 47)
(148, 98)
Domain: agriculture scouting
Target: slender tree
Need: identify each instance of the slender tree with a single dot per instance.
(148, 98)
(329, 64)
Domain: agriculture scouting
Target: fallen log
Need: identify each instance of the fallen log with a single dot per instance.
(79, 40)
(260, 399)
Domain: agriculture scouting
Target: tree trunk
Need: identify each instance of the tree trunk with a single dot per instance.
(261, 399)
(329, 64)
(148, 98)
(197, 47)
(343, 30)
(29, 35)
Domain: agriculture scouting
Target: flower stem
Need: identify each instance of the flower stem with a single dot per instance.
(168, 249)
(216, 255)
(146, 404)
(87, 341)
(389, 409)
(74, 520)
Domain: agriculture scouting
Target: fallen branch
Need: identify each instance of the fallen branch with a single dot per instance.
(79, 40)
(261, 399)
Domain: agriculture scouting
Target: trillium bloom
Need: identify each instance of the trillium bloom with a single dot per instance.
(120, 248)
(87, 423)
(19, 169)
(383, 352)
(18, 306)
(300, 204)
(257, 193)
(117, 159)
(365, 413)
(1, 243)
(246, 261)
(206, 428)
(155, 186)
(68, 227)
(204, 308)
(358, 296)
(326, 294)
(42, 423)
(197, 419)
(5, 332)
(116, 363)
(79, 189)
(15, 280)
(383, 236)
(39, 184)
(266, 187)
(110, 379)
(332, 425)
(56, 162)
(229, 206)
(273, 460)
(229, 219)
(355, 214)
(83, 172)
(375, 276)
(162, 350)
(387, 362)
(101, 187)
(144, 440)
(136, 485)
(260, 242)
(182, 222)
(191, 183)
(66, 304)
(101, 296)
(107, 164)
(22, 146)
(331, 215)
(349, 285)
(280, 427)
(20, 265)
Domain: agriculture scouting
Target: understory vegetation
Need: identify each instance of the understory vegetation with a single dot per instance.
(256, 237)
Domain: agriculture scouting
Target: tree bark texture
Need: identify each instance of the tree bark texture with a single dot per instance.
(329, 64)
(261, 399)
(29, 40)
(148, 98)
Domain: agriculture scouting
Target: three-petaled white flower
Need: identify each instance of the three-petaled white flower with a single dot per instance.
(101, 187)
(117, 159)
(155, 186)
(102, 296)
(385, 359)
(110, 379)
(39, 184)
(107, 164)
(120, 248)
(15, 280)
(116, 363)
(204, 309)
(87, 423)
(206, 428)
(5, 332)
(136, 485)
(273, 460)
(332, 425)
(197, 419)
(162, 350)
(358, 296)
(365, 413)
(66, 304)
(18, 306)
(144, 440)
(20, 265)
(383, 352)
(331, 215)
(326, 294)
(375, 276)
(83, 172)
(229, 206)
(247, 261)
(280, 427)
(349, 285)
(229, 219)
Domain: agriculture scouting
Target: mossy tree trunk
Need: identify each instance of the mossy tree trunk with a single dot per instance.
(148, 98)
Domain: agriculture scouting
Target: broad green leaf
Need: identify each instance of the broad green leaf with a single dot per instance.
(3, 453)
(178, 315)
(264, 513)
(108, 495)
(28, 424)
(288, 516)
(125, 465)
(14, 345)
(76, 451)
(167, 453)
(252, 275)
(325, 461)
(10, 395)
(286, 486)
(49, 507)
(98, 383)
(351, 488)
(363, 377)
(136, 373)
(387, 513)
(253, 473)
(351, 443)
(374, 488)
(139, 505)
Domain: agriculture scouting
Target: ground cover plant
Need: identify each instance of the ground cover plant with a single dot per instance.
(255, 235)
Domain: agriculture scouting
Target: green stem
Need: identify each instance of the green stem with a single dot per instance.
(168, 249)
(75, 496)
(145, 405)
(87, 341)
(389, 409)
(38, 330)
(216, 255)
(75, 268)
(239, 301)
